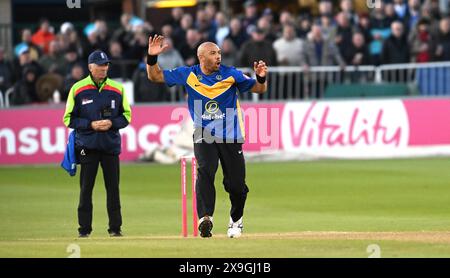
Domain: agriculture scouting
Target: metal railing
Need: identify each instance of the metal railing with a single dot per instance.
(430, 79)
(288, 83)
(7, 94)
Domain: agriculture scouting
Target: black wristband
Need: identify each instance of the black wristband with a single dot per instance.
(152, 59)
(261, 79)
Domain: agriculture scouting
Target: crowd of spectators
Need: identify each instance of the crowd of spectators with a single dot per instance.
(393, 31)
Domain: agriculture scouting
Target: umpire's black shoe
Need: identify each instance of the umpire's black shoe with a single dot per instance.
(115, 233)
(83, 235)
(205, 226)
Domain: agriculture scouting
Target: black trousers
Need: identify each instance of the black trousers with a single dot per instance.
(233, 167)
(89, 160)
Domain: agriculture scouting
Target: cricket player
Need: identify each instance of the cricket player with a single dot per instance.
(212, 90)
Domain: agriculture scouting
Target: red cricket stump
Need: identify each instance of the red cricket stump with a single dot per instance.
(183, 198)
(194, 197)
(184, 224)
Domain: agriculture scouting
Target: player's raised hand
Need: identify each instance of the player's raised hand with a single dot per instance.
(260, 68)
(156, 45)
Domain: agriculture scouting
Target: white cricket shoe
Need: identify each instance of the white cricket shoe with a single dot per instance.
(235, 228)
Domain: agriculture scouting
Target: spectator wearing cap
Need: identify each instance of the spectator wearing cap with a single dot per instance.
(35, 51)
(43, 36)
(288, 47)
(237, 34)
(258, 48)
(23, 60)
(97, 108)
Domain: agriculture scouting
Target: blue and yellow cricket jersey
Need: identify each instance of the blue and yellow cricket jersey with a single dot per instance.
(213, 99)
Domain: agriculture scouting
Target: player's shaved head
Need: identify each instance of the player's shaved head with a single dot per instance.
(205, 47)
(209, 56)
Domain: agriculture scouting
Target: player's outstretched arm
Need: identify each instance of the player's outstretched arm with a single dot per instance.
(156, 46)
(261, 70)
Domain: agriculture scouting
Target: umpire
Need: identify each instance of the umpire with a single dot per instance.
(97, 108)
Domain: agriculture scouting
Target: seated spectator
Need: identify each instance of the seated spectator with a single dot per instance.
(379, 30)
(347, 9)
(288, 47)
(305, 27)
(344, 32)
(421, 42)
(222, 28)
(117, 68)
(25, 90)
(257, 48)
(189, 50)
(35, 51)
(250, 16)
(179, 34)
(71, 58)
(318, 51)
(265, 25)
(328, 27)
(124, 34)
(144, 90)
(237, 34)
(23, 60)
(229, 53)
(442, 47)
(76, 74)
(5, 72)
(395, 48)
(357, 54)
(43, 36)
(170, 58)
(53, 61)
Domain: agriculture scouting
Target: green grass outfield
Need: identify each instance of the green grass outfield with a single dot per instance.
(294, 209)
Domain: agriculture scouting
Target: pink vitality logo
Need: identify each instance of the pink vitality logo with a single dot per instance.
(330, 127)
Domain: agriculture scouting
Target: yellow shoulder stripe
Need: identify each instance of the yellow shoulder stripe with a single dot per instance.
(210, 91)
